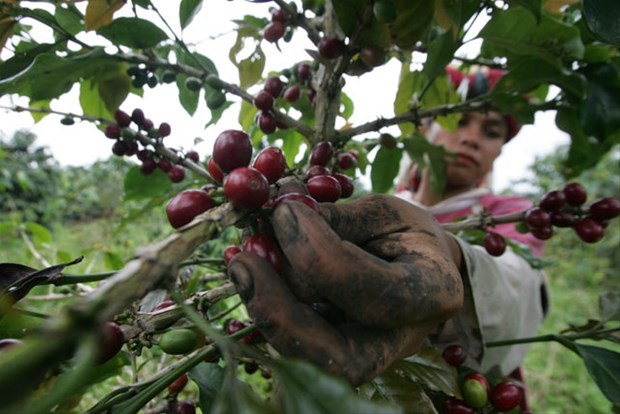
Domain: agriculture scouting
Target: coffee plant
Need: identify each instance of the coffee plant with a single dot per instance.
(171, 306)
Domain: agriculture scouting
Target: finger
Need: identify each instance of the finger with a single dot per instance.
(411, 289)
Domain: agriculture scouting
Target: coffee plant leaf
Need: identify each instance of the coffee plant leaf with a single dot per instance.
(440, 53)
(429, 368)
(601, 17)
(100, 13)
(238, 397)
(600, 111)
(188, 10)
(533, 6)
(385, 169)
(306, 389)
(412, 21)
(392, 386)
(133, 32)
(349, 13)
(454, 13)
(70, 19)
(604, 367)
(210, 378)
(139, 186)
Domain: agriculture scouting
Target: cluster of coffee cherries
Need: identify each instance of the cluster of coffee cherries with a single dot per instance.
(125, 132)
(142, 75)
(478, 394)
(562, 208)
(279, 27)
(175, 406)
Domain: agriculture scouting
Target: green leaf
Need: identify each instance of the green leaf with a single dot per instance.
(426, 154)
(251, 69)
(133, 32)
(428, 367)
(188, 10)
(533, 6)
(347, 106)
(114, 90)
(91, 102)
(42, 104)
(210, 379)
(238, 397)
(70, 19)
(384, 169)
(40, 234)
(404, 94)
(306, 389)
(291, 145)
(412, 21)
(440, 53)
(602, 18)
(188, 99)
(139, 186)
(393, 387)
(349, 13)
(112, 260)
(457, 11)
(600, 112)
(604, 367)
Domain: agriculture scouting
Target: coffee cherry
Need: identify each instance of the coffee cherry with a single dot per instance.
(267, 122)
(536, 217)
(119, 148)
(563, 219)
(122, 118)
(230, 252)
(176, 174)
(474, 393)
(183, 207)
(148, 166)
(324, 188)
(8, 343)
(164, 129)
(271, 162)
(250, 367)
(331, 48)
(292, 93)
(263, 101)
(215, 100)
(112, 131)
(311, 93)
(273, 86)
(265, 247)
(542, 233)
(346, 184)
(112, 340)
(384, 11)
(178, 384)
(304, 72)
(214, 171)
(345, 161)
(67, 120)
(505, 396)
(453, 405)
(232, 149)
(279, 15)
(246, 188)
(137, 116)
(164, 164)
(300, 198)
(553, 201)
(606, 208)
(185, 407)
(163, 305)
(321, 153)
(480, 378)
(454, 355)
(589, 230)
(575, 193)
(193, 83)
(274, 31)
(193, 155)
(494, 243)
(147, 124)
(315, 170)
(373, 56)
(168, 76)
(234, 325)
(178, 341)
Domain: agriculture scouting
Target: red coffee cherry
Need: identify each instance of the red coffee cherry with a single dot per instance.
(536, 217)
(273, 85)
(346, 160)
(324, 188)
(193, 155)
(164, 129)
(304, 72)
(331, 48)
(301, 198)
(271, 162)
(147, 124)
(122, 118)
(137, 116)
(563, 219)
(373, 55)
(112, 131)
(234, 325)
(606, 208)
(267, 248)
(230, 252)
(346, 184)
(263, 101)
(178, 384)
(542, 233)
(176, 174)
(321, 153)
(589, 230)
(267, 122)
(553, 201)
(453, 405)
(246, 188)
(505, 396)
(292, 93)
(454, 355)
(185, 407)
(183, 207)
(494, 243)
(232, 149)
(148, 166)
(575, 193)
(214, 171)
(274, 31)
(164, 164)
(112, 340)
(279, 15)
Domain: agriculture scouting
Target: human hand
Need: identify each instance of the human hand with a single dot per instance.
(385, 264)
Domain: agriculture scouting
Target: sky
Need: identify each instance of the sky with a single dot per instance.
(211, 32)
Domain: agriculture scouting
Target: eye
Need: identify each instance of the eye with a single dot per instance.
(463, 121)
(493, 132)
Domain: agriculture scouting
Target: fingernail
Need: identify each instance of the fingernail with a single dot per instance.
(240, 276)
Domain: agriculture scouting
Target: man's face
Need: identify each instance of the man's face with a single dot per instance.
(477, 142)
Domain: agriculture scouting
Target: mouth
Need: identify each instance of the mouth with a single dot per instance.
(465, 159)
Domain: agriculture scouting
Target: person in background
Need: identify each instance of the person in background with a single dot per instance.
(373, 280)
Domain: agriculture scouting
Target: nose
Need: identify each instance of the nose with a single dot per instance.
(469, 135)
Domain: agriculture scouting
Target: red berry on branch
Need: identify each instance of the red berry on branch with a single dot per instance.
(119, 148)
(137, 116)
(536, 217)
(494, 243)
(304, 72)
(267, 122)
(144, 154)
(183, 207)
(234, 325)
(589, 230)
(122, 118)
(542, 233)
(505, 396)
(147, 124)
(575, 193)
(176, 174)
(553, 201)
(274, 31)
(324, 188)
(300, 198)
(373, 56)
(246, 188)
(164, 129)
(178, 384)
(271, 162)
(263, 101)
(230, 252)
(346, 160)
(606, 208)
(132, 148)
(453, 405)
(164, 164)
(474, 393)
(273, 85)
(265, 247)
(563, 219)
(232, 149)
(112, 340)
(321, 153)
(346, 184)
(193, 155)
(112, 131)
(279, 15)
(480, 378)
(454, 355)
(148, 166)
(331, 48)
(316, 170)
(292, 93)
(214, 171)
